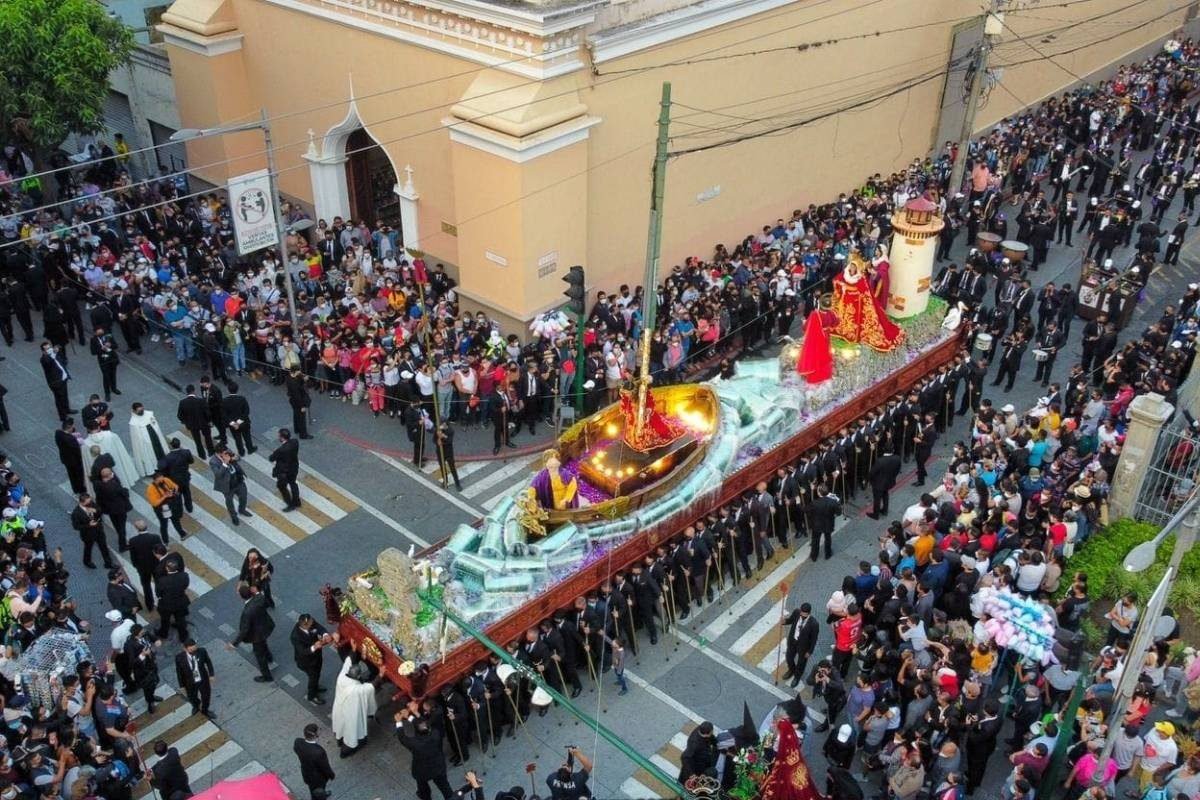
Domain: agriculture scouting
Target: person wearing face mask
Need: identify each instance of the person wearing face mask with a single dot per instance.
(55, 369)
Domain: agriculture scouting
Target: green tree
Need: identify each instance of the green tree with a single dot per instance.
(54, 67)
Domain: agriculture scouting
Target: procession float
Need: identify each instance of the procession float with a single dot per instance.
(630, 477)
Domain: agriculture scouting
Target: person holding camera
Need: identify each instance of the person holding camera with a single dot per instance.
(568, 783)
(827, 682)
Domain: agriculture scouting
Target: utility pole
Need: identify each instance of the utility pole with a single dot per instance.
(653, 251)
(993, 23)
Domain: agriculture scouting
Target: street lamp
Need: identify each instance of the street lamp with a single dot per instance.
(263, 124)
(1140, 558)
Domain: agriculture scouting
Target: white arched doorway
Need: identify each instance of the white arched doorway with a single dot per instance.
(353, 177)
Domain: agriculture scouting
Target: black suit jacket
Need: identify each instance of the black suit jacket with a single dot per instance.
(172, 592)
(170, 776)
(175, 464)
(141, 551)
(884, 472)
(70, 452)
(235, 407)
(183, 672)
(302, 643)
(314, 763)
(286, 459)
(193, 412)
(255, 624)
(823, 513)
(806, 642)
(54, 375)
(123, 598)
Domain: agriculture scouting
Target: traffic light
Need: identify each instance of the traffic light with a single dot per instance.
(576, 294)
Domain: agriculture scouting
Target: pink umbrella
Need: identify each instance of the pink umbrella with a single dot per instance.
(261, 787)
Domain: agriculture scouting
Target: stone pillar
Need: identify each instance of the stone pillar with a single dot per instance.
(410, 228)
(1147, 415)
(327, 172)
(914, 244)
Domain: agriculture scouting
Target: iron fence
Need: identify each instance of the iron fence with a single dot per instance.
(1170, 475)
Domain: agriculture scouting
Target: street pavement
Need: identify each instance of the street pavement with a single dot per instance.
(362, 495)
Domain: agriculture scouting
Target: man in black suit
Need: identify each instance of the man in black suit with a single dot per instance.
(143, 663)
(424, 741)
(141, 555)
(121, 594)
(300, 401)
(1011, 352)
(308, 641)
(112, 498)
(175, 466)
(70, 453)
(104, 348)
(976, 370)
(286, 459)
(56, 378)
(169, 776)
(212, 396)
(173, 602)
(85, 519)
(314, 763)
(802, 632)
(235, 414)
(194, 670)
(883, 477)
(1175, 240)
(925, 439)
(502, 414)
(824, 510)
(982, 732)
(255, 627)
(193, 415)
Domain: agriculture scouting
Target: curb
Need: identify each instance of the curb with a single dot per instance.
(504, 455)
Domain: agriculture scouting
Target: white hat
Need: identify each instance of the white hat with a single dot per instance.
(406, 375)
(1194, 286)
(35, 523)
(113, 616)
(967, 562)
(9, 513)
(210, 328)
(1008, 408)
(1108, 262)
(843, 734)
(1177, 344)
(589, 384)
(789, 293)
(1137, 203)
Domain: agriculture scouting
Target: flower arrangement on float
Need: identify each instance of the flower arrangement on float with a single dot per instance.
(751, 767)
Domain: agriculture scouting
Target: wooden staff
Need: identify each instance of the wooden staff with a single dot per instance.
(562, 684)
(475, 711)
(632, 631)
(587, 651)
(491, 729)
(733, 561)
(783, 587)
(462, 756)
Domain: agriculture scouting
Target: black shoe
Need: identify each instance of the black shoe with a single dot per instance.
(495, 451)
(578, 690)
(116, 391)
(290, 508)
(824, 726)
(263, 679)
(245, 512)
(210, 714)
(787, 676)
(72, 410)
(235, 521)
(316, 701)
(510, 444)
(252, 450)
(306, 436)
(872, 515)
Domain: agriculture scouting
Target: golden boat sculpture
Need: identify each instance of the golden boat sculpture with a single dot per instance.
(633, 477)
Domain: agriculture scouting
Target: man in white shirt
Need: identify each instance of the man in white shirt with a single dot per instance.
(116, 639)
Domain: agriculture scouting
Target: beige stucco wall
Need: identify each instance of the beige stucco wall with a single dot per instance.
(598, 218)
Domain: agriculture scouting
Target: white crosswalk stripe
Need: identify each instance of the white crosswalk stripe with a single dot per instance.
(522, 467)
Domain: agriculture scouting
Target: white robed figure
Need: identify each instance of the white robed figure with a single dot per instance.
(149, 444)
(110, 443)
(353, 704)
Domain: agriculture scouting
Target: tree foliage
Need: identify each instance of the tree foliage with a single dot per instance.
(54, 65)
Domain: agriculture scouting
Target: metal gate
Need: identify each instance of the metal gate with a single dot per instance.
(1171, 474)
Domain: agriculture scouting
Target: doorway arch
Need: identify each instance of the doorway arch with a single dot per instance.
(365, 178)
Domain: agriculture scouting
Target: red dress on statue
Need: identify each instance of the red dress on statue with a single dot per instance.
(861, 318)
(815, 363)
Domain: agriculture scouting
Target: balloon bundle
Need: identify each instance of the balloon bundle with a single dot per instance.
(1020, 624)
(550, 324)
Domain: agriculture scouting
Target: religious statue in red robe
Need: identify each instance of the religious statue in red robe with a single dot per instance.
(815, 363)
(789, 778)
(860, 314)
(880, 276)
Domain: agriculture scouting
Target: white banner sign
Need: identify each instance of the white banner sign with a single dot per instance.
(253, 211)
